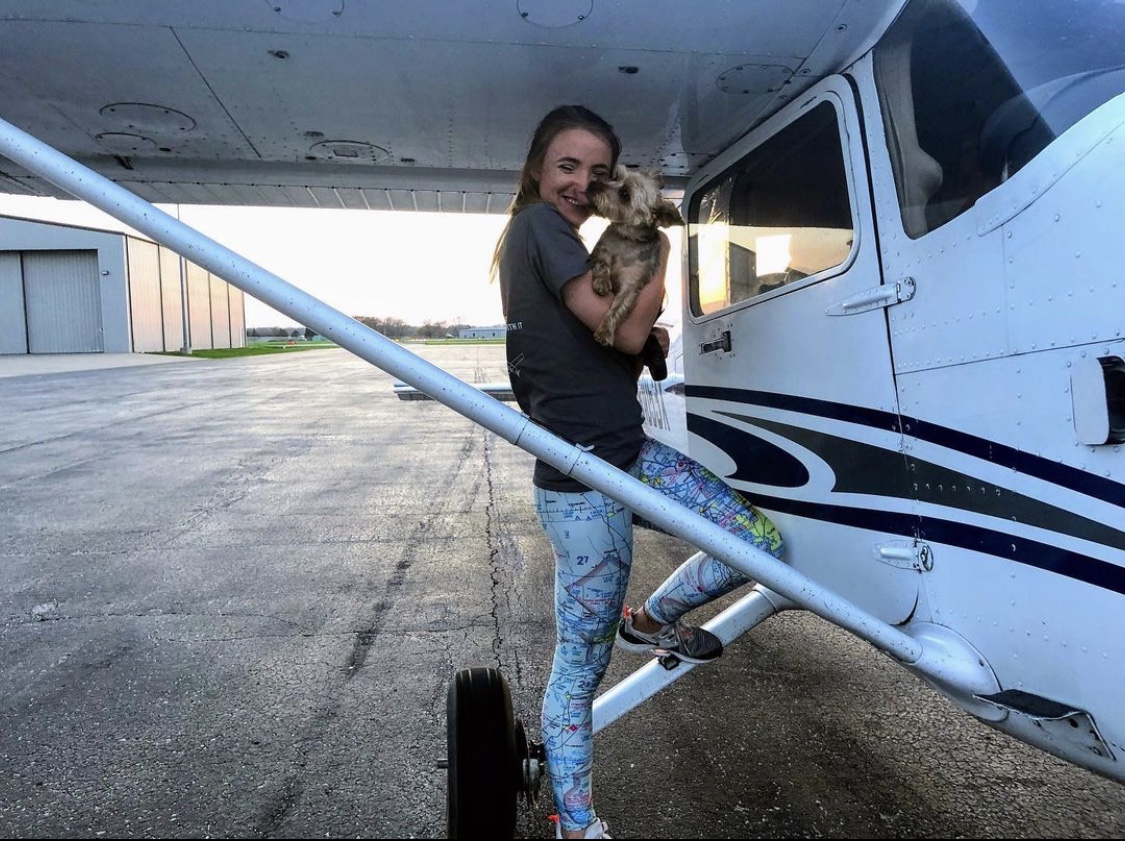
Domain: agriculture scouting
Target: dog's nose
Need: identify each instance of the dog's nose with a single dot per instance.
(594, 187)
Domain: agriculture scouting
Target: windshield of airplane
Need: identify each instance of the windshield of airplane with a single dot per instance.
(972, 90)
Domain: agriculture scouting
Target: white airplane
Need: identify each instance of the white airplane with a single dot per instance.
(902, 314)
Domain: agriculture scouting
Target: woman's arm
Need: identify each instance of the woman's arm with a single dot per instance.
(590, 307)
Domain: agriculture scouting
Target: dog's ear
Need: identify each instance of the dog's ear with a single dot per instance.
(667, 214)
(656, 175)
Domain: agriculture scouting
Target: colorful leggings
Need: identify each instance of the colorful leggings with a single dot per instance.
(592, 537)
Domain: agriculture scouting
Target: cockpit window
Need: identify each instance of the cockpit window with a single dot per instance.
(971, 90)
(779, 215)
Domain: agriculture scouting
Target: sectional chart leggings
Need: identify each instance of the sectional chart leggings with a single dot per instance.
(592, 538)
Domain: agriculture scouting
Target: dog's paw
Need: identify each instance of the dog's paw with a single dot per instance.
(604, 335)
(602, 284)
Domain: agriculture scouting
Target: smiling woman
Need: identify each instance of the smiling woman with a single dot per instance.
(414, 266)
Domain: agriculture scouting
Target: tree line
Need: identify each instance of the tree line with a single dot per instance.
(392, 328)
(396, 328)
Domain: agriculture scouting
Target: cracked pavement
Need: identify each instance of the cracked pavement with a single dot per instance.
(233, 592)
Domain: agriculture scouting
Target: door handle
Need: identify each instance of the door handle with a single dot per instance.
(722, 343)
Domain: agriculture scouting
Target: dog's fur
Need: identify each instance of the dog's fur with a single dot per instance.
(628, 254)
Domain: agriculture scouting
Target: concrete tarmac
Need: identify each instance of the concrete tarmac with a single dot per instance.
(32, 365)
(233, 592)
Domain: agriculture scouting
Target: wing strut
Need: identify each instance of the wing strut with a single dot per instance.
(948, 667)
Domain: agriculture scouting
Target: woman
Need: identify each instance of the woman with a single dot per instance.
(587, 394)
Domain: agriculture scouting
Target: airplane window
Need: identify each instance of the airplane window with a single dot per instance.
(779, 215)
(972, 90)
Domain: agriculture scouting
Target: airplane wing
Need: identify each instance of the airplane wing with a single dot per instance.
(501, 391)
(395, 104)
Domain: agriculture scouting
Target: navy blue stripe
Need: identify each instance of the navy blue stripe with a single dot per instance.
(1021, 550)
(982, 448)
(755, 459)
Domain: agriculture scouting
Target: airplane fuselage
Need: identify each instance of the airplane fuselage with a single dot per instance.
(902, 337)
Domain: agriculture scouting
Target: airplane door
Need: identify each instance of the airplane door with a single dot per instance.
(789, 385)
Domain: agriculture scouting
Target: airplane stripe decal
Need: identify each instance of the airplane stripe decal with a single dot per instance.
(1022, 550)
(982, 448)
(861, 468)
(756, 460)
(793, 403)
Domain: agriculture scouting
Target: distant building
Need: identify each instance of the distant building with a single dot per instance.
(483, 332)
(69, 289)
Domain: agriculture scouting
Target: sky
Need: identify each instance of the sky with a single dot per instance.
(409, 265)
(387, 264)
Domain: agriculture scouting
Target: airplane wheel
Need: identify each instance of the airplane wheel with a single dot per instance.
(485, 771)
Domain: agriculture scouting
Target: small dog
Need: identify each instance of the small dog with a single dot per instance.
(628, 254)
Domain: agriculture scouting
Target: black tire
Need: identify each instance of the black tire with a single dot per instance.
(484, 772)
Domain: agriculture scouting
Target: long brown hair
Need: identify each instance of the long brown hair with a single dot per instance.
(557, 121)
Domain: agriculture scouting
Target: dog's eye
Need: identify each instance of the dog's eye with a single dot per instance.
(623, 193)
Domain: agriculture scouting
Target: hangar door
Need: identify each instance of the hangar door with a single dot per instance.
(63, 301)
(13, 324)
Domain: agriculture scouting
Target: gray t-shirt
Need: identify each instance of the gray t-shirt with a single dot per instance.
(562, 379)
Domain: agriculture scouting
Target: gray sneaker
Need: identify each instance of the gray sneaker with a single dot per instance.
(688, 643)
